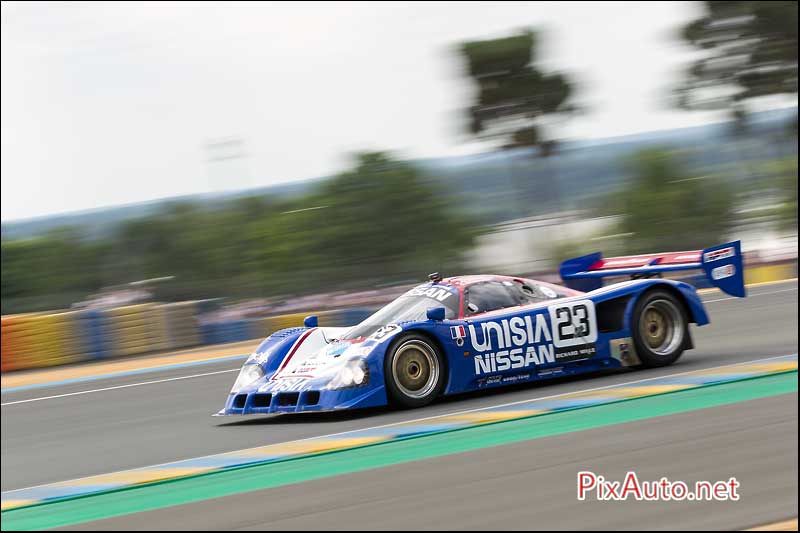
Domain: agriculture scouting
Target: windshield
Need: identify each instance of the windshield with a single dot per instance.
(411, 306)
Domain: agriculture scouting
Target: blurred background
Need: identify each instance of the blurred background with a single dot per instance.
(279, 158)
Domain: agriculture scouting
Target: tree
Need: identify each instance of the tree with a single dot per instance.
(516, 100)
(385, 219)
(787, 186)
(664, 209)
(749, 51)
(48, 271)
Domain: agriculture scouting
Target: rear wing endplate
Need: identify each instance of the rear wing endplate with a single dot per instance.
(721, 264)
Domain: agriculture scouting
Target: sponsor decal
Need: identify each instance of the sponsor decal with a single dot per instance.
(301, 370)
(259, 357)
(518, 377)
(385, 331)
(284, 385)
(307, 367)
(552, 371)
(723, 272)
(716, 255)
(625, 261)
(438, 293)
(523, 341)
(458, 333)
(496, 380)
(686, 257)
(336, 349)
(575, 354)
(491, 380)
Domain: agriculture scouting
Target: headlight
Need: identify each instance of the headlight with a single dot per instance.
(247, 375)
(354, 373)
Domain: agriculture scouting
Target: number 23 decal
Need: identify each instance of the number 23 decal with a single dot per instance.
(573, 323)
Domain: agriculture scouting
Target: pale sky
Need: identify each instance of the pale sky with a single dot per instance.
(106, 104)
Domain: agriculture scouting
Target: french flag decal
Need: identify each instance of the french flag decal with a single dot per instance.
(458, 332)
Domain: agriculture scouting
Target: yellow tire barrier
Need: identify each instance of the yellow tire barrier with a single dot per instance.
(268, 326)
(135, 329)
(765, 273)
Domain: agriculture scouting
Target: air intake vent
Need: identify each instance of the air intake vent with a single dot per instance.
(239, 401)
(288, 398)
(312, 397)
(262, 400)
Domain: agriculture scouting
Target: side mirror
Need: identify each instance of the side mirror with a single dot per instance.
(436, 313)
(311, 321)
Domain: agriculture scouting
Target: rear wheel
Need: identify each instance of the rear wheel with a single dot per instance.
(414, 371)
(660, 329)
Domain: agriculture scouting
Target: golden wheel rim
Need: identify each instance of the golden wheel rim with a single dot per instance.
(415, 369)
(656, 328)
(661, 327)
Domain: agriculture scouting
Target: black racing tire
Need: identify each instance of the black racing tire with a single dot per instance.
(660, 328)
(414, 370)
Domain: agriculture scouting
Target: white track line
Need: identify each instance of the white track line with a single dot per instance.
(118, 387)
(417, 420)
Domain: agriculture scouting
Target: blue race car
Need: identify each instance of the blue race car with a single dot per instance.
(467, 333)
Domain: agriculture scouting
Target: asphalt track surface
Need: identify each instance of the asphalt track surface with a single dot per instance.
(165, 416)
(531, 484)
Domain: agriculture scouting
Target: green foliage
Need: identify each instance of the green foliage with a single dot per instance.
(786, 182)
(389, 220)
(514, 95)
(750, 50)
(664, 209)
(777, 185)
(380, 222)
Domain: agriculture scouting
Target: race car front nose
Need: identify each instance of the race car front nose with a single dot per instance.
(266, 402)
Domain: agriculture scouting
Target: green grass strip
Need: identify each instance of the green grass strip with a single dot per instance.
(227, 482)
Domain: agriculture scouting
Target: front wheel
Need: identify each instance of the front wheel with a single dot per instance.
(414, 370)
(660, 329)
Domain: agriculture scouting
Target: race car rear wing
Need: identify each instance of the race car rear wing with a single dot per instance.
(722, 266)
